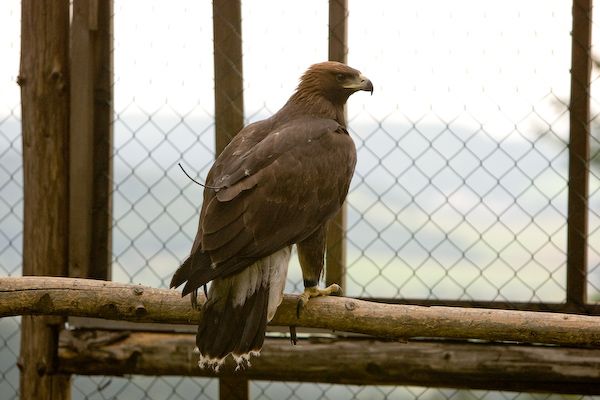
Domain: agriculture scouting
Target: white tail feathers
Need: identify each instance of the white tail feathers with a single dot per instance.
(272, 269)
(242, 361)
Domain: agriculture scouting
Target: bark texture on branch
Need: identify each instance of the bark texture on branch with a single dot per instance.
(118, 301)
(348, 361)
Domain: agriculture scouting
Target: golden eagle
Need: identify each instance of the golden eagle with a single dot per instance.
(276, 184)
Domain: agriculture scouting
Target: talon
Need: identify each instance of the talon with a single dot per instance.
(293, 337)
(194, 299)
(334, 289)
(301, 303)
(314, 291)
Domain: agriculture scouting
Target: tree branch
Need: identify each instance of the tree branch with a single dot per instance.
(118, 301)
(357, 361)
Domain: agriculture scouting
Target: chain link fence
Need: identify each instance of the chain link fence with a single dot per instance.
(11, 189)
(460, 191)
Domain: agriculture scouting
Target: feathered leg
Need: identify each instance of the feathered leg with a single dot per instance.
(311, 253)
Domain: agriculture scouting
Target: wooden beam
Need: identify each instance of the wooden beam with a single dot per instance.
(101, 16)
(347, 361)
(109, 300)
(91, 140)
(234, 387)
(81, 142)
(586, 309)
(579, 154)
(44, 77)
(335, 268)
(229, 88)
(338, 30)
(229, 111)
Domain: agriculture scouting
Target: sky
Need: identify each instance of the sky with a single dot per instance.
(440, 55)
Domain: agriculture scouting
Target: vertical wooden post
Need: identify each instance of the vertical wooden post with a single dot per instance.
(102, 40)
(44, 80)
(229, 90)
(81, 141)
(233, 388)
(229, 115)
(335, 270)
(579, 153)
(338, 30)
(90, 139)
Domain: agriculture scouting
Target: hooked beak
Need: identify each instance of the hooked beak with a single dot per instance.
(367, 85)
(360, 83)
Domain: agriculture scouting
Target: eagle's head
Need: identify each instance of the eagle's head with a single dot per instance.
(334, 81)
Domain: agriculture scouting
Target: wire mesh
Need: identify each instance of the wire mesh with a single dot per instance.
(303, 391)
(461, 184)
(11, 190)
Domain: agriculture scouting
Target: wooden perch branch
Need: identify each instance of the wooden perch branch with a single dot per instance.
(357, 361)
(118, 301)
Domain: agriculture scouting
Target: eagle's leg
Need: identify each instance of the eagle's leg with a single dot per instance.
(311, 252)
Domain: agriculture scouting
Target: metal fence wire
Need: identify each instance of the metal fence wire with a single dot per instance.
(460, 191)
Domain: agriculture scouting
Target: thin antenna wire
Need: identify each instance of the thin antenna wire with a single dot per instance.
(195, 181)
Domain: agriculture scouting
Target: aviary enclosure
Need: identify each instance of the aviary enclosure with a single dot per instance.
(468, 250)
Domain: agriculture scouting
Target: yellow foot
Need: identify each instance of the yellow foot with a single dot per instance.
(314, 291)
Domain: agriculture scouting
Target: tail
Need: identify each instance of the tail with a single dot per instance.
(235, 316)
(198, 263)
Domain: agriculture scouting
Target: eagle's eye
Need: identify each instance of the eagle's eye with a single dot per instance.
(340, 77)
